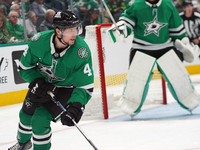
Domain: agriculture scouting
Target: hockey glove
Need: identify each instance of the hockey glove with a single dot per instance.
(117, 34)
(73, 111)
(189, 50)
(39, 88)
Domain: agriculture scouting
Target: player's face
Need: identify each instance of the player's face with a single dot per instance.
(69, 35)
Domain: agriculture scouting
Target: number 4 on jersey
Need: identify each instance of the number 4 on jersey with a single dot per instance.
(87, 70)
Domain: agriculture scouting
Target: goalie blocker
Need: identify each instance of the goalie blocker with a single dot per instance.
(140, 74)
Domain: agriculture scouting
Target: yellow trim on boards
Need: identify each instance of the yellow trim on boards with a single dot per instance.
(194, 69)
(12, 97)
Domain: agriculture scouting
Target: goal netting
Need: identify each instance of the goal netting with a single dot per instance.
(110, 65)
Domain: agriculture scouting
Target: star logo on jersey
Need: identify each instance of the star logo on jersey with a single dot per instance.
(153, 27)
(49, 72)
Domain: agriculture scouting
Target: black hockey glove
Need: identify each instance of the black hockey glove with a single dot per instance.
(74, 111)
(39, 88)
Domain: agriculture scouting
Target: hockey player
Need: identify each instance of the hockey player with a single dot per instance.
(58, 61)
(156, 25)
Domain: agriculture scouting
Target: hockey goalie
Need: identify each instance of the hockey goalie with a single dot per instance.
(159, 38)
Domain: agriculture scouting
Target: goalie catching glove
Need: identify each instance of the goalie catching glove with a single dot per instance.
(39, 88)
(73, 111)
(117, 32)
(189, 50)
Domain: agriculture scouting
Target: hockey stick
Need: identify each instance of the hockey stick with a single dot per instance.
(111, 17)
(114, 22)
(61, 106)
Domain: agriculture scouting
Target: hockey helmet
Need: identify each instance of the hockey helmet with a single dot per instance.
(66, 19)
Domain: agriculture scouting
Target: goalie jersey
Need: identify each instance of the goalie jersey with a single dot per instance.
(71, 67)
(155, 26)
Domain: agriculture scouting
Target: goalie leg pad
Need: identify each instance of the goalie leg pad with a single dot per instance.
(137, 80)
(178, 80)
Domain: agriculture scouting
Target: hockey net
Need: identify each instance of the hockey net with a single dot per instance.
(110, 65)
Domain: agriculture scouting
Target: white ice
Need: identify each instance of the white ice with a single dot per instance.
(156, 127)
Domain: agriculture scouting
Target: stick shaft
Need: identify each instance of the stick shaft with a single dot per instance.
(113, 20)
(61, 106)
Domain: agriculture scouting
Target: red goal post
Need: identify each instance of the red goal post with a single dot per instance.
(108, 82)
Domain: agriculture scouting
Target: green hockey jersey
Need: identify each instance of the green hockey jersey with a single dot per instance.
(155, 26)
(71, 67)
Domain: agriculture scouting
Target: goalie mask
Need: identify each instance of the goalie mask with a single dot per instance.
(67, 19)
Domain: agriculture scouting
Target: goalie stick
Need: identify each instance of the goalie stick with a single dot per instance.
(61, 106)
(113, 20)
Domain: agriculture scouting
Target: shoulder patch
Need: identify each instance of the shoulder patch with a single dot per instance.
(36, 37)
(83, 53)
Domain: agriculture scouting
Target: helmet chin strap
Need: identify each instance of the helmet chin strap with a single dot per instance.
(60, 39)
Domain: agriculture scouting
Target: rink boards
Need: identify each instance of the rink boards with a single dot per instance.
(13, 88)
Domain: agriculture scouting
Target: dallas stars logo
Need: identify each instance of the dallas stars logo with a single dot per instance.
(49, 71)
(153, 27)
(36, 37)
(83, 52)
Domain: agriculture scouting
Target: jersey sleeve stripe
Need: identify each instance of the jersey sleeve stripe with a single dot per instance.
(177, 33)
(22, 67)
(178, 29)
(89, 88)
(128, 22)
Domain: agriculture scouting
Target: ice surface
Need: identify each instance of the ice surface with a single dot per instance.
(156, 127)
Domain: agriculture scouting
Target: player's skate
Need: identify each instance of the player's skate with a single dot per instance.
(22, 146)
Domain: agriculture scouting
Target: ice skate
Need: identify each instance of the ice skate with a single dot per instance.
(22, 146)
